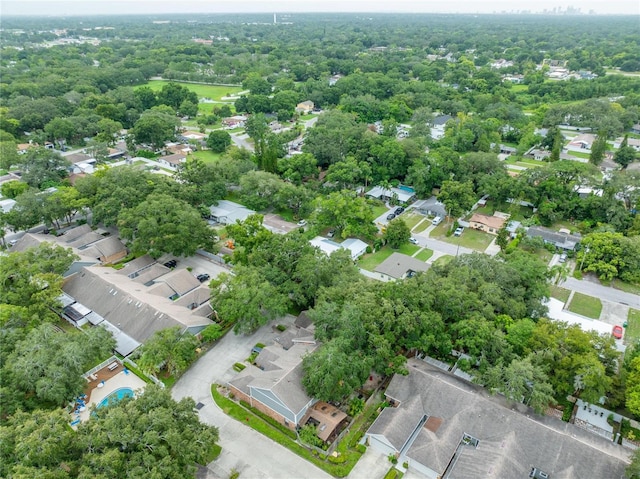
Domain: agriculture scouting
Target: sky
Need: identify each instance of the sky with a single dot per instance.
(123, 7)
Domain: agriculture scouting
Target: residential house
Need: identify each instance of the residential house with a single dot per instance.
(227, 212)
(400, 266)
(403, 194)
(179, 148)
(305, 107)
(538, 154)
(632, 142)
(128, 306)
(488, 224)
(355, 246)
(438, 127)
(274, 384)
(194, 135)
(173, 161)
(334, 79)
(432, 207)
(24, 147)
(443, 426)
(92, 246)
(237, 121)
(7, 205)
(563, 240)
(507, 150)
(512, 228)
(636, 129)
(582, 142)
(501, 63)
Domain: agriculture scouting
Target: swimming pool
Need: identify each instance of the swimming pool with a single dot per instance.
(115, 396)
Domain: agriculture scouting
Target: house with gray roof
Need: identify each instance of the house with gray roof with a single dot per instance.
(133, 308)
(273, 384)
(227, 212)
(400, 266)
(562, 240)
(446, 427)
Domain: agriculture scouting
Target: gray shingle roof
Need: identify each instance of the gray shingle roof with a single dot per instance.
(397, 265)
(126, 304)
(510, 442)
(561, 240)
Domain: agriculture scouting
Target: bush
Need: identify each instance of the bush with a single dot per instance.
(281, 327)
(361, 448)
(391, 474)
(211, 333)
(239, 367)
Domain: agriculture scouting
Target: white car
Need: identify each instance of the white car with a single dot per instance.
(458, 231)
(302, 223)
(413, 240)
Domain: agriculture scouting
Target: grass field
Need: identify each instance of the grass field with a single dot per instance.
(560, 293)
(411, 218)
(424, 255)
(586, 306)
(518, 213)
(632, 333)
(422, 226)
(214, 92)
(470, 238)
(579, 154)
(370, 261)
(207, 156)
(442, 260)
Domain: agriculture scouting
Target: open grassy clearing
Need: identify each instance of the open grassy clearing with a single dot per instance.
(424, 255)
(632, 333)
(214, 92)
(411, 218)
(207, 156)
(470, 238)
(422, 226)
(559, 293)
(579, 154)
(518, 213)
(442, 260)
(370, 261)
(586, 306)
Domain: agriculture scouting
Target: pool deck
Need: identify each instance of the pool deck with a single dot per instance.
(118, 380)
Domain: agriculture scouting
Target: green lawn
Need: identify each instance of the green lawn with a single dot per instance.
(411, 218)
(207, 156)
(516, 160)
(214, 92)
(408, 249)
(579, 154)
(424, 255)
(470, 238)
(518, 213)
(422, 226)
(378, 208)
(370, 261)
(586, 306)
(560, 293)
(626, 287)
(442, 260)
(632, 333)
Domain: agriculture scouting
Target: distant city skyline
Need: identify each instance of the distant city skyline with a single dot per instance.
(137, 7)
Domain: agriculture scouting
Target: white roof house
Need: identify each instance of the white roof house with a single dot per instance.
(404, 194)
(354, 245)
(227, 212)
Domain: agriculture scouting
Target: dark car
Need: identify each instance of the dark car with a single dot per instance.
(399, 210)
(203, 277)
(390, 216)
(171, 263)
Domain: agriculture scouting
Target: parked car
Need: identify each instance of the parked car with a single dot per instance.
(390, 216)
(302, 223)
(331, 233)
(412, 240)
(458, 231)
(436, 221)
(398, 210)
(203, 277)
(563, 258)
(171, 263)
(617, 332)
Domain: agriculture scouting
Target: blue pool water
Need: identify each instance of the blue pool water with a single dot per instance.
(115, 396)
(406, 188)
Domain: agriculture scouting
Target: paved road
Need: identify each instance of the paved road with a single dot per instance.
(603, 292)
(243, 449)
